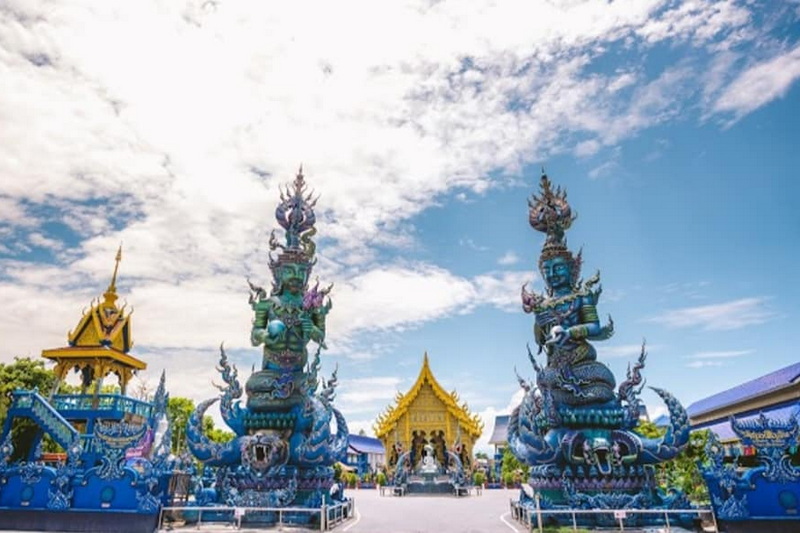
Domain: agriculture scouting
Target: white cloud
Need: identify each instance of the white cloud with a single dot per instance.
(724, 316)
(370, 395)
(630, 351)
(703, 364)
(603, 170)
(243, 92)
(697, 21)
(723, 354)
(42, 241)
(760, 84)
(399, 297)
(508, 258)
(502, 289)
(469, 243)
(587, 148)
(714, 358)
(488, 416)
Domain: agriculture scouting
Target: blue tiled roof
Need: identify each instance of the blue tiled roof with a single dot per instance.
(723, 428)
(500, 433)
(364, 444)
(750, 389)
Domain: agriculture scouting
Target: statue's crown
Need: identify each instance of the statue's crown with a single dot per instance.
(295, 214)
(551, 214)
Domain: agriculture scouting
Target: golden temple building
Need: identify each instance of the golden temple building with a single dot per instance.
(428, 414)
(99, 345)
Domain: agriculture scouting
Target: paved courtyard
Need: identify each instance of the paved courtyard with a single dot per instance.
(436, 514)
(487, 513)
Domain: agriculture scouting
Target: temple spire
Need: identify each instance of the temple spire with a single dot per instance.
(111, 293)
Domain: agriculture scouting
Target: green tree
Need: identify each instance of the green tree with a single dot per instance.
(214, 433)
(25, 374)
(682, 471)
(511, 465)
(178, 412)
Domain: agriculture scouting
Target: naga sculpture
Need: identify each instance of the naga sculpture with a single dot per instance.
(574, 430)
(284, 447)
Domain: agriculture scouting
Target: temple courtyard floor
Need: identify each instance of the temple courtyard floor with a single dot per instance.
(486, 513)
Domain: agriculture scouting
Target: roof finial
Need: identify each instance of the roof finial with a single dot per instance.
(111, 293)
(118, 258)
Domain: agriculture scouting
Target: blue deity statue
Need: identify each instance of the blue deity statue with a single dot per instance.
(572, 427)
(284, 447)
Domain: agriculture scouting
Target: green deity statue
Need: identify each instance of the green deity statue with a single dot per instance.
(292, 315)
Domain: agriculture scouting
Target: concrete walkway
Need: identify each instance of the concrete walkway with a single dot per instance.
(487, 513)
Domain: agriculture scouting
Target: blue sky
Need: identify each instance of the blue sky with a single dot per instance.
(169, 126)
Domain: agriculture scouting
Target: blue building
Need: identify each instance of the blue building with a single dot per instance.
(499, 440)
(776, 395)
(365, 454)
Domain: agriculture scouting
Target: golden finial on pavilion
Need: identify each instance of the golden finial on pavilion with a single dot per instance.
(111, 293)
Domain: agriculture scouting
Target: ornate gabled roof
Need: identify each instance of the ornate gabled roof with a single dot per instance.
(469, 422)
(102, 331)
(105, 324)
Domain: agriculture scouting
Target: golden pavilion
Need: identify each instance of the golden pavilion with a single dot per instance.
(99, 345)
(428, 415)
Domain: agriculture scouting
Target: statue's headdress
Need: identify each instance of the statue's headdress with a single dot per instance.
(295, 214)
(551, 214)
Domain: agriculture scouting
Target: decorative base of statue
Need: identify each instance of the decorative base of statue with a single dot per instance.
(578, 434)
(284, 446)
